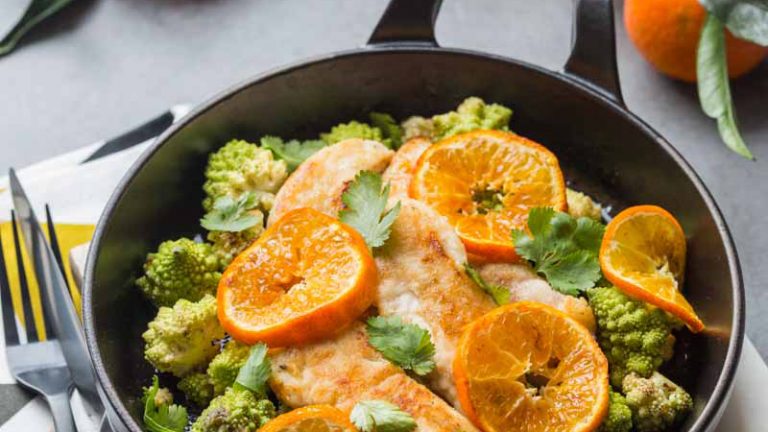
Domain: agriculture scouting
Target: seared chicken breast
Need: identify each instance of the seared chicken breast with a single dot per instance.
(524, 284)
(346, 370)
(423, 281)
(400, 171)
(321, 179)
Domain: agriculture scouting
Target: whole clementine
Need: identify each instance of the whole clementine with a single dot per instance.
(666, 32)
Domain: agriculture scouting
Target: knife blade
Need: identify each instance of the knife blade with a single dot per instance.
(54, 291)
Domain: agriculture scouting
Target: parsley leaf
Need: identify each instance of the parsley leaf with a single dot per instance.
(390, 129)
(233, 216)
(365, 201)
(165, 416)
(253, 375)
(562, 249)
(406, 345)
(293, 152)
(381, 416)
(499, 293)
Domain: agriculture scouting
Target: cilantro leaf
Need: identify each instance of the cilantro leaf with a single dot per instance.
(365, 201)
(390, 129)
(253, 375)
(406, 345)
(293, 152)
(381, 416)
(562, 249)
(233, 215)
(165, 416)
(499, 293)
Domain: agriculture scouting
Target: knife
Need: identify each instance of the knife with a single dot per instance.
(54, 291)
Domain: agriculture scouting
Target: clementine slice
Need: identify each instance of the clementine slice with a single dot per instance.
(528, 367)
(643, 254)
(312, 418)
(305, 278)
(485, 182)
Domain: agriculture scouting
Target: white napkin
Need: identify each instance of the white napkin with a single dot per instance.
(78, 194)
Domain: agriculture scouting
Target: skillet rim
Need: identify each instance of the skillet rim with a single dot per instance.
(717, 400)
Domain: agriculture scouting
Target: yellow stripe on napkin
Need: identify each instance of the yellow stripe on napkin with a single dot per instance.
(69, 235)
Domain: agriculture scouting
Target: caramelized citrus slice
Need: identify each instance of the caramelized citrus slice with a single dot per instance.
(643, 254)
(313, 418)
(529, 367)
(305, 278)
(485, 182)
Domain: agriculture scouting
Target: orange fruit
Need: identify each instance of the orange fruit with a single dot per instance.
(666, 33)
(485, 182)
(643, 254)
(529, 367)
(305, 278)
(312, 418)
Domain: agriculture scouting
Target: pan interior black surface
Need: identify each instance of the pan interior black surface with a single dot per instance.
(600, 148)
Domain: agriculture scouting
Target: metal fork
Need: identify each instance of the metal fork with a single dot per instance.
(37, 365)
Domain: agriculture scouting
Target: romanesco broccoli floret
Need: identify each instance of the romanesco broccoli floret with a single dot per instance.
(634, 336)
(234, 224)
(223, 369)
(197, 387)
(182, 339)
(180, 269)
(417, 126)
(241, 167)
(581, 205)
(353, 129)
(237, 410)
(472, 114)
(227, 245)
(619, 417)
(657, 403)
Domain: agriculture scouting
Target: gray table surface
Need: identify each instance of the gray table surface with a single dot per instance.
(103, 66)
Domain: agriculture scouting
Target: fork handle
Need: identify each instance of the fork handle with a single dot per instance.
(61, 412)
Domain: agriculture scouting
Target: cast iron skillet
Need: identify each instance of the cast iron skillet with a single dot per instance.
(578, 113)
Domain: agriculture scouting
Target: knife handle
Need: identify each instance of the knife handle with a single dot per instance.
(61, 412)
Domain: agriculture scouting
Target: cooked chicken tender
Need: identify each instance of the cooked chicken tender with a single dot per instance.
(524, 284)
(346, 370)
(422, 280)
(400, 170)
(321, 179)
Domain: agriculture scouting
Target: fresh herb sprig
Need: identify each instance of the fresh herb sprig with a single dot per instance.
(164, 417)
(253, 375)
(406, 345)
(562, 249)
(233, 215)
(499, 293)
(293, 152)
(381, 416)
(366, 200)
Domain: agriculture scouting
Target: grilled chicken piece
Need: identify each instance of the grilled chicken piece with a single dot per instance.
(524, 284)
(346, 370)
(400, 171)
(319, 182)
(422, 280)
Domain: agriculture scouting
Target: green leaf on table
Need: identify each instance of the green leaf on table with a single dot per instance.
(390, 129)
(381, 416)
(253, 375)
(232, 215)
(406, 345)
(746, 19)
(293, 152)
(160, 413)
(499, 293)
(37, 11)
(714, 86)
(366, 200)
(562, 249)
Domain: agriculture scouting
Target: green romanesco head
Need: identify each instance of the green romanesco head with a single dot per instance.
(472, 114)
(417, 126)
(237, 410)
(657, 403)
(197, 387)
(182, 339)
(180, 269)
(353, 129)
(634, 336)
(223, 369)
(581, 205)
(619, 417)
(240, 167)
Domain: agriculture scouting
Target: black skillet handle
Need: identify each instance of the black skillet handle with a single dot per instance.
(407, 22)
(593, 54)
